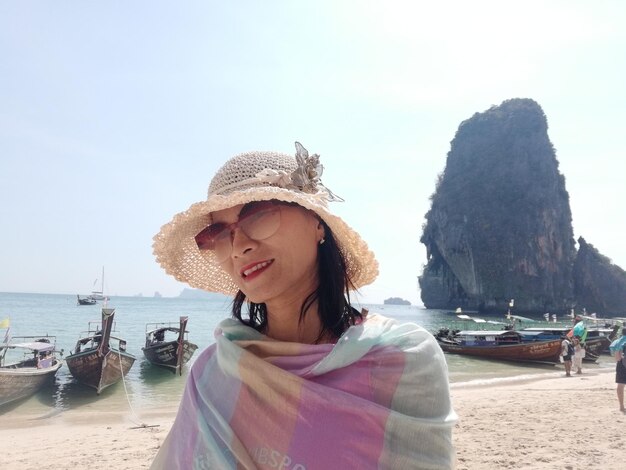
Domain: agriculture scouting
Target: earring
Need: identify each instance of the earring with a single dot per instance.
(322, 241)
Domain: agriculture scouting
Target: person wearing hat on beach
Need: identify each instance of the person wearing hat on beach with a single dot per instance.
(297, 378)
(618, 349)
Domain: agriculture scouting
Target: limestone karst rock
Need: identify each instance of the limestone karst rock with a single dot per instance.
(599, 285)
(500, 224)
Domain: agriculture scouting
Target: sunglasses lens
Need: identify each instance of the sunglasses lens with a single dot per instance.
(262, 223)
(207, 238)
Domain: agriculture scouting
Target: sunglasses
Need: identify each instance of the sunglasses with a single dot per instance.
(258, 221)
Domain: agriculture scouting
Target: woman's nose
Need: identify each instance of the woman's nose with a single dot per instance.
(241, 242)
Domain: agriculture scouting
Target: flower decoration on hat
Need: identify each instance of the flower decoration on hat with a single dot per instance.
(305, 178)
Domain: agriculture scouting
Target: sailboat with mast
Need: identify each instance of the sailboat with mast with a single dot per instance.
(98, 294)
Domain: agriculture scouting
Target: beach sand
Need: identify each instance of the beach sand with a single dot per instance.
(557, 422)
(550, 423)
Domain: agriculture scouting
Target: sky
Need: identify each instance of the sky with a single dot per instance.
(115, 115)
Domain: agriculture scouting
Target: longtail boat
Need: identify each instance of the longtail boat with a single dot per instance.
(99, 359)
(173, 352)
(26, 364)
(504, 345)
(597, 340)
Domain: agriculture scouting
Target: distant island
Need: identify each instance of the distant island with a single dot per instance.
(200, 294)
(396, 301)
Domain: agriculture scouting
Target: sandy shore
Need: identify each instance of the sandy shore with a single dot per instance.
(551, 423)
(78, 439)
(557, 422)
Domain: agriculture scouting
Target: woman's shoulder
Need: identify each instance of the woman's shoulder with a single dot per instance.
(405, 335)
(379, 338)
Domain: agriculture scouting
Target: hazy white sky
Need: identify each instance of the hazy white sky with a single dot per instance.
(115, 115)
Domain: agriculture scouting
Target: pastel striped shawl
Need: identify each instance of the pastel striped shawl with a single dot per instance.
(378, 398)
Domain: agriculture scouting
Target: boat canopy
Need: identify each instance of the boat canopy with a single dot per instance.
(554, 329)
(487, 333)
(33, 346)
(172, 329)
(527, 333)
(479, 320)
(517, 317)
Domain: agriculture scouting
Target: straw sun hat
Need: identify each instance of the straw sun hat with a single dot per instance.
(256, 176)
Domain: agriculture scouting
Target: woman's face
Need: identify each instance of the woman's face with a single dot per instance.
(280, 268)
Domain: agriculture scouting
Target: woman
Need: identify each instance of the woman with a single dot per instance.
(579, 355)
(298, 378)
(618, 349)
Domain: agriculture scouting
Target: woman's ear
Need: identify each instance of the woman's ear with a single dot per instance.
(321, 232)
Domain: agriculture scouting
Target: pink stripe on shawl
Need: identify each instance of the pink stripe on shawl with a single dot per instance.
(266, 409)
(291, 419)
(343, 418)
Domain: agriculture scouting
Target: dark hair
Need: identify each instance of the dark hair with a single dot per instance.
(332, 294)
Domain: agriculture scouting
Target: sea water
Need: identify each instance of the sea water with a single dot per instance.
(147, 386)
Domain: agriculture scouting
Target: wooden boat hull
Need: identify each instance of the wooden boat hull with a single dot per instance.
(99, 371)
(166, 354)
(536, 351)
(595, 344)
(17, 383)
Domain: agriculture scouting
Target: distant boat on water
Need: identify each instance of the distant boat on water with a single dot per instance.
(85, 300)
(98, 294)
(95, 294)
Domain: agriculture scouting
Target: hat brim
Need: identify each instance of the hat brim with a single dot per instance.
(176, 250)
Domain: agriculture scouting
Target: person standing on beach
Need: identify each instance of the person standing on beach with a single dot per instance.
(297, 378)
(579, 354)
(567, 353)
(618, 349)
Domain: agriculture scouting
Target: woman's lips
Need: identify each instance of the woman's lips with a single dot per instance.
(254, 269)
